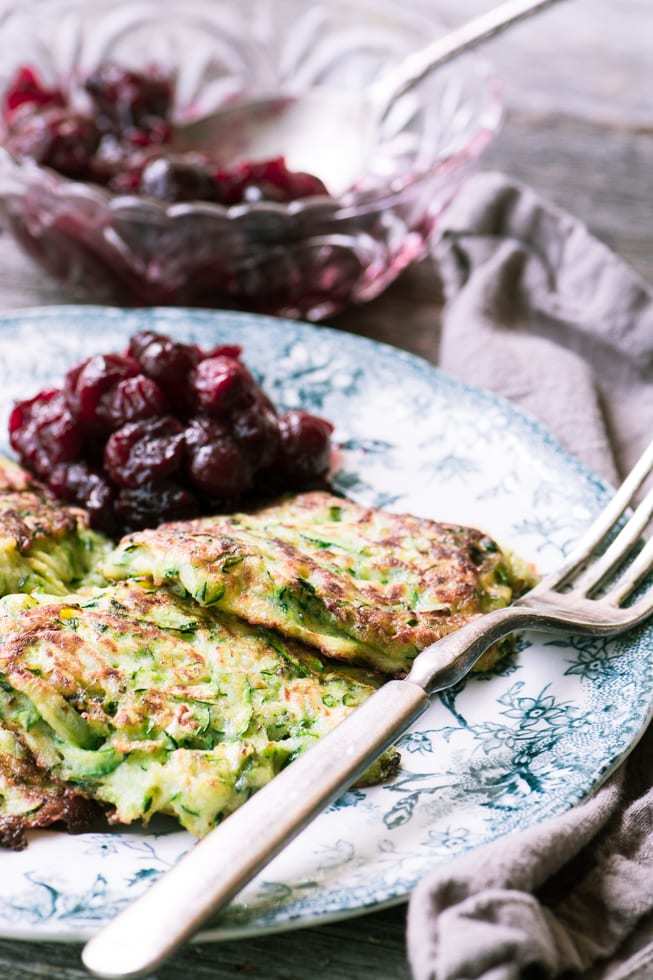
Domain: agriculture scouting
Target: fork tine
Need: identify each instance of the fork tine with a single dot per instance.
(632, 576)
(602, 525)
(589, 580)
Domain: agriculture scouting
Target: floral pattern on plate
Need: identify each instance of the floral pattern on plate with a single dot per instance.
(492, 755)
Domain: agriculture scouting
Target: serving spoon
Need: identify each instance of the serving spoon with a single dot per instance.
(333, 132)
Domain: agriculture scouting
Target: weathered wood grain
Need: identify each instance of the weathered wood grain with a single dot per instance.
(368, 948)
(579, 129)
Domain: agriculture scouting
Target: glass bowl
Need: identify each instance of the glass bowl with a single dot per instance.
(309, 258)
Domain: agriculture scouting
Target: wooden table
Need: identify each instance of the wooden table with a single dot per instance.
(579, 129)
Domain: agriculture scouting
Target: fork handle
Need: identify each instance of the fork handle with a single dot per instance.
(147, 932)
(139, 939)
(449, 660)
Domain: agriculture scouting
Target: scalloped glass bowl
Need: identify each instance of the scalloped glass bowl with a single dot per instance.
(306, 259)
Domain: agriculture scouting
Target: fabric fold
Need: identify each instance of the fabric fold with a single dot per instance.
(540, 311)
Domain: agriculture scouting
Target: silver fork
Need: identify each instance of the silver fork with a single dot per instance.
(207, 878)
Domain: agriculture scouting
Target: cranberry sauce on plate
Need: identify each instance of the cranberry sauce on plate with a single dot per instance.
(164, 431)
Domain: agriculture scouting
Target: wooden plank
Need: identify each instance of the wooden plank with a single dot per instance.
(368, 948)
(590, 58)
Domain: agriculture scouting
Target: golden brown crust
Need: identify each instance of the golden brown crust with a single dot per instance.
(356, 582)
(61, 806)
(50, 802)
(29, 512)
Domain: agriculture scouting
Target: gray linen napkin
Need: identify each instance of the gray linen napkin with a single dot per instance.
(546, 315)
(541, 312)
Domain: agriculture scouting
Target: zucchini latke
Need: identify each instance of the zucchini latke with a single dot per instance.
(180, 671)
(356, 583)
(147, 703)
(43, 544)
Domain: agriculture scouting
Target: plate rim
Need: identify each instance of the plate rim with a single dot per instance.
(295, 923)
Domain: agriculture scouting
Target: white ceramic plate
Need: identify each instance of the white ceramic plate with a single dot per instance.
(492, 756)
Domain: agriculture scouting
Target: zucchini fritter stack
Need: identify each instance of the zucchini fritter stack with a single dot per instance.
(199, 671)
(43, 545)
(147, 703)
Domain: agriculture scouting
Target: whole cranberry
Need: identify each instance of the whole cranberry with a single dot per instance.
(125, 100)
(256, 431)
(140, 341)
(266, 180)
(144, 452)
(131, 400)
(167, 362)
(219, 469)
(229, 185)
(221, 384)
(149, 505)
(305, 446)
(223, 350)
(216, 465)
(86, 384)
(43, 432)
(112, 160)
(256, 189)
(78, 483)
(176, 181)
(26, 88)
(154, 133)
(57, 138)
(301, 184)
(202, 430)
(125, 181)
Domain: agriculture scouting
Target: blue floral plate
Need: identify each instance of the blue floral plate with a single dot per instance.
(491, 756)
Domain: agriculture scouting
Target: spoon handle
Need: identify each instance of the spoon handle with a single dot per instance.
(412, 69)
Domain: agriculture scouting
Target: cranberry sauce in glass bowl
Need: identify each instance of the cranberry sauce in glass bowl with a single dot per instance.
(123, 141)
(92, 89)
(164, 431)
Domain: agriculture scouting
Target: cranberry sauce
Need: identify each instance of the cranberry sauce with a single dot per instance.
(165, 431)
(124, 142)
